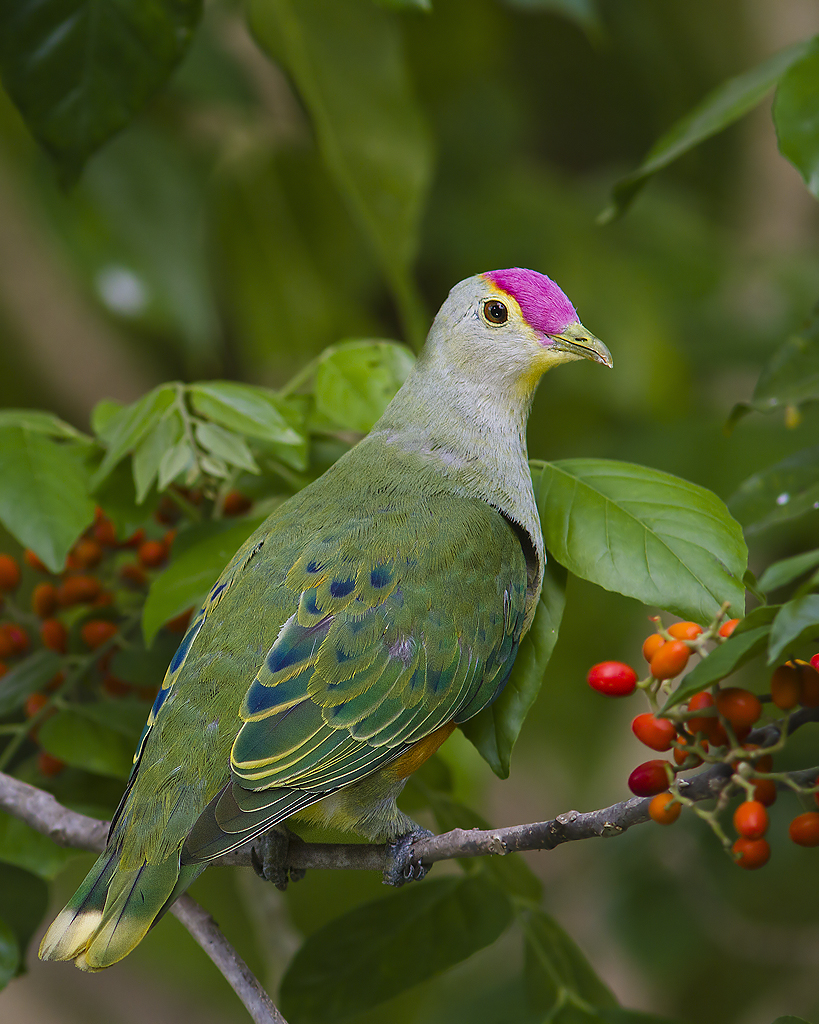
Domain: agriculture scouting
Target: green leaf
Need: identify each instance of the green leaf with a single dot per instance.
(787, 570)
(495, 730)
(10, 954)
(255, 412)
(30, 675)
(23, 846)
(103, 416)
(356, 380)
(23, 905)
(126, 428)
(150, 451)
(200, 554)
(125, 716)
(796, 116)
(224, 444)
(83, 743)
(582, 12)
(79, 70)
(797, 621)
(557, 973)
(116, 495)
(784, 491)
(645, 534)
(719, 109)
(382, 948)
(174, 462)
(44, 499)
(40, 423)
(347, 63)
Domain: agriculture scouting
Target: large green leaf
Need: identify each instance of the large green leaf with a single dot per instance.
(797, 621)
(80, 69)
(23, 904)
(645, 534)
(150, 451)
(44, 498)
(784, 491)
(30, 675)
(41, 423)
(83, 743)
(255, 412)
(23, 846)
(796, 116)
(719, 109)
(347, 63)
(200, 554)
(495, 730)
(385, 947)
(127, 427)
(356, 380)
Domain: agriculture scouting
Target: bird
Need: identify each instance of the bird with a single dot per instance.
(371, 614)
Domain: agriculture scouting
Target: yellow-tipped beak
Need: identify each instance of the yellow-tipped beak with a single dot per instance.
(575, 338)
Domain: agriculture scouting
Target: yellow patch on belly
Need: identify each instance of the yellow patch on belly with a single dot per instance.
(411, 760)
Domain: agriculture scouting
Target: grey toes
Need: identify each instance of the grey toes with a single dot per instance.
(402, 865)
(269, 856)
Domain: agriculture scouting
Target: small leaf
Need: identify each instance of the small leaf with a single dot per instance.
(720, 108)
(200, 555)
(495, 730)
(44, 500)
(79, 70)
(30, 675)
(150, 451)
(356, 380)
(787, 570)
(645, 534)
(126, 428)
(784, 491)
(796, 116)
(214, 467)
(226, 445)
(40, 423)
(174, 462)
(382, 948)
(797, 621)
(82, 743)
(24, 847)
(255, 412)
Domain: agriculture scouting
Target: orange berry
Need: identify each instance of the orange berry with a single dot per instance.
(741, 707)
(35, 702)
(652, 644)
(104, 533)
(136, 538)
(169, 538)
(727, 628)
(804, 829)
(751, 853)
(680, 752)
(49, 765)
(33, 561)
(786, 686)
(765, 791)
(96, 632)
(751, 819)
(133, 573)
(13, 640)
(9, 573)
(670, 659)
(809, 680)
(44, 600)
(152, 553)
(54, 635)
(87, 554)
(760, 764)
(664, 809)
(180, 623)
(78, 590)
(235, 503)
(656, 733)
(685, 630)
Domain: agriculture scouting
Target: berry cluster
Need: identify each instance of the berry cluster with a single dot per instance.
(713, 728)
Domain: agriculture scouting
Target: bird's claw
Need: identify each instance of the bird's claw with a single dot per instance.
(269, 855)
(402, 865)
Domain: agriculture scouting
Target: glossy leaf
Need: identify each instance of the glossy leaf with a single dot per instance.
(116, 495)
(24, 847)
(495, 730)
(787, 570)
(30, 675)
(23, 904)
(126, 428)
(347, 63)
(83, 743)
(797, 621)
(176, 460)
(151, 450)
(200, 554)
(719, 109)
(79, 70)
(784, 491)
(645, 534)
(44, 498)
(356, 380)
(382, 948)
(41, 423)
(255, 412)
(796, 116)
(226, 445)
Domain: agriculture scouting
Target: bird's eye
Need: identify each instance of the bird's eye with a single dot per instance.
(495, 312)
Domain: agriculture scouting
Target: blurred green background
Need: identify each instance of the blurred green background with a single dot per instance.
(209, 240)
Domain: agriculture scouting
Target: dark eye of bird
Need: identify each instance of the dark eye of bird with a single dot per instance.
(495, 312)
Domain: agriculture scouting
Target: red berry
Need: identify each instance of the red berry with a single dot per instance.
(44, 600)
(235, 503)
(649, 778)
(652, 644)
(54, 635)
(809, 680)
(87, 553)
(152, 553)
(78, 590)
(814, 662)
(656, 733)
(786, 687)
(48, 765)
(804, 829)
(9, 573)
(136, 538)
(681, 753)
(670, 659)
(96, 632)
(104, 533)
(751, 853)
(741, 707)
(751, 819)
(612, 678)
(727, 628)
(664, 809)
(685, 630)
(765, 791)
(13, 640)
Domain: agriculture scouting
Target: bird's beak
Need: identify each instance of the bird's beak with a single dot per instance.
(575, 338)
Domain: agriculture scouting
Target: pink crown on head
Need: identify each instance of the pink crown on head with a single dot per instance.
(543, 304)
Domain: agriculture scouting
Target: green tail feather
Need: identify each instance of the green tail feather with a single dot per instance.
(73, 927)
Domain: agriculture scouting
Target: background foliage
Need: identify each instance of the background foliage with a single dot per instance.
(294, 175)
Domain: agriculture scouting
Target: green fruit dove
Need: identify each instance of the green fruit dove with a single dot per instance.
(371, 614)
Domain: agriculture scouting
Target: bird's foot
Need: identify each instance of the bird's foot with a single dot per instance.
(401, 863)
(269, 856)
